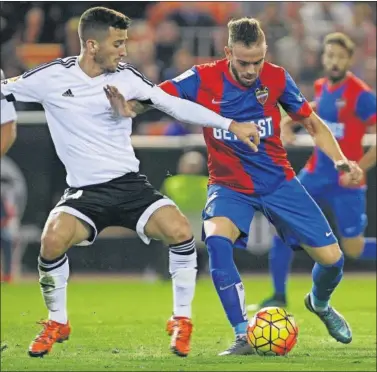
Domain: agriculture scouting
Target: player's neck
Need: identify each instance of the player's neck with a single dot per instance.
(88, 66)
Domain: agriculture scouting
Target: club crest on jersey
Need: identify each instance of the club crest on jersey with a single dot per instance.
(339, 103)
(261, 94)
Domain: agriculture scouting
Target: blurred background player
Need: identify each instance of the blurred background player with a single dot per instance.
(245, 87)
(8, 136)
(348, 106)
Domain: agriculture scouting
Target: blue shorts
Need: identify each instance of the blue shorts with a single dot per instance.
(295, 215)
(348, 206)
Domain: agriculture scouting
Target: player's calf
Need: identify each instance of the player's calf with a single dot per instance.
(227, 282)
(172, 227)
(61, 231)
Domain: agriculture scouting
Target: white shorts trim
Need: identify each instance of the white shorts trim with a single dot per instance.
(81, 216)
(147, 214)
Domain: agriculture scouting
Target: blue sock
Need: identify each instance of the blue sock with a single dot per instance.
(369, 251)
(325, 280)
(227, 281)
(280, 258)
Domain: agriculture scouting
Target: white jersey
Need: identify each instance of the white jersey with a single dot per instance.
(93, 143)
(8, 113)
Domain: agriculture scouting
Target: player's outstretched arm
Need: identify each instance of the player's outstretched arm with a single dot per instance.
(187, 112)
(287, 126)
(326, 141)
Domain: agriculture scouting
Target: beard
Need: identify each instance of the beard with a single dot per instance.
(339, 77)
(237, 76)
(100, 60)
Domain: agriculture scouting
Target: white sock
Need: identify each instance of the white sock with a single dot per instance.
(53, 277)
(183, 268)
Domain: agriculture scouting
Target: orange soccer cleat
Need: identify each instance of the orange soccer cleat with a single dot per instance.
(180, 329)
(51, 333)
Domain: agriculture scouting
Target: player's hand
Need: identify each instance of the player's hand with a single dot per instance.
(118, 103)
(352, 175)
(248, 133)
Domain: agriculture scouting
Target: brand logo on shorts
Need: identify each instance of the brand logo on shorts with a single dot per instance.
(262, 94)
(328, 234)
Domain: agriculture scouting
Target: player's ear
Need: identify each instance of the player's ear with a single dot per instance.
(228, 53)
(92, 46)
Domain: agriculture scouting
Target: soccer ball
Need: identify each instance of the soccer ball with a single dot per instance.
(272, 331)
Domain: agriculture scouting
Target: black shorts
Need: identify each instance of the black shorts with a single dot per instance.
(126, 201)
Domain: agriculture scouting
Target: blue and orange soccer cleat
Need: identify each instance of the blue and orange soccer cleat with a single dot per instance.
(334, 322)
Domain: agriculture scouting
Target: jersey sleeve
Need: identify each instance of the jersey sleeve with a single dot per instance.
(8, 113)
(184, 86)
(181, 109)
(30, 87)
(366, 107)
(292, 100)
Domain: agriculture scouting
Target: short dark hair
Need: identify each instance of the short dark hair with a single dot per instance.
(100, 19)
(245, 30)
(340, 39)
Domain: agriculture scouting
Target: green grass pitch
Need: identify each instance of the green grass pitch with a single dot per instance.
(119, 325)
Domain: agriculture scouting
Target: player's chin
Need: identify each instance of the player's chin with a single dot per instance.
(248, 82)
(112, 69)
(337, 74)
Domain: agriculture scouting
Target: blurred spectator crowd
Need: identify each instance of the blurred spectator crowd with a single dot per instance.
(167, 38)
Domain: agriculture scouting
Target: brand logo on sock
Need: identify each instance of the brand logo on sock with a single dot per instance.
(226, 287)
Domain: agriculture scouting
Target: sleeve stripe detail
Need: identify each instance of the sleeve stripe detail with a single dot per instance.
(136, 72)
(67, 64)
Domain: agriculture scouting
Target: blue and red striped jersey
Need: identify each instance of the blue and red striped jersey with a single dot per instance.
(348, 108)
(231, 162)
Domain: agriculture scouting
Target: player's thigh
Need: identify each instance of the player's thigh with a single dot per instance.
(167, 223)
(297, 217)
(142, 208)
(86, 211)
(61, 231)
(227, 213)
(349, 209)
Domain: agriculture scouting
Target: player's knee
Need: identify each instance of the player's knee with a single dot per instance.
(52, 245)
(53, 242)
(353, 247)
(328, 255)
(178, 231)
